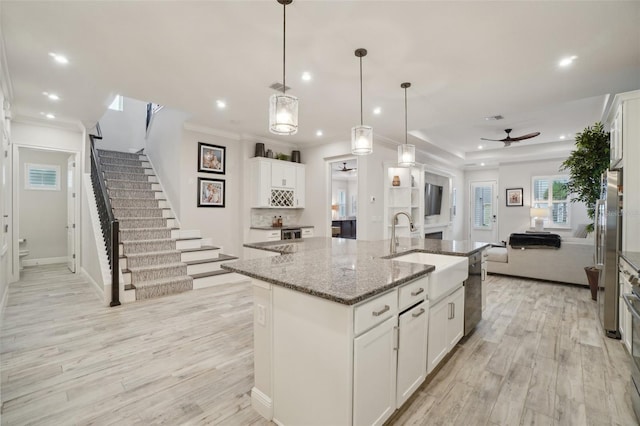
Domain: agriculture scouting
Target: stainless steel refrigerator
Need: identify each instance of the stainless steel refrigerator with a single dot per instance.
(608, 227)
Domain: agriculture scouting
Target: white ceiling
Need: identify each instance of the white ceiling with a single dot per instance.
(465, 60)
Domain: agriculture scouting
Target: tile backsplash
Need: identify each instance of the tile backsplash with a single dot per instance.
(264, 217)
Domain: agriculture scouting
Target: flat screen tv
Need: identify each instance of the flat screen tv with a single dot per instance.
(432, 199)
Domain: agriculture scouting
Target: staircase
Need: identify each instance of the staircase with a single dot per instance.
(157, 258)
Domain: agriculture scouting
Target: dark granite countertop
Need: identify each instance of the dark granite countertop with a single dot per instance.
(343, 270)
(633, 258)
(285, 227)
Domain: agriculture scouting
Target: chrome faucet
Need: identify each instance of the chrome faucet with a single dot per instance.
(394, 220)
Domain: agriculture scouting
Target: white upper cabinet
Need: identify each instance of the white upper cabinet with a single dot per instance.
(276, 183)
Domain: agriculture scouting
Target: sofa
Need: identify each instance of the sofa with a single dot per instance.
(565, 264)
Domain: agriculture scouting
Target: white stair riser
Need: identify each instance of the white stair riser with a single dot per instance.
(156, 187)
(153, 179)
(148, 171)
(188, 233)
(200, 255)
(167, 213)
(126, 276)
(215, 280)
(163, 204)
(145, 163)
(203, 267)
(188, 244)
(129, 296)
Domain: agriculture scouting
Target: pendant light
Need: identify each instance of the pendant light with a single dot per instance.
(406, 151)
(361, 136)
(283, 108)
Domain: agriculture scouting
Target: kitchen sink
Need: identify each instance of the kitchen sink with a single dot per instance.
(450, 271)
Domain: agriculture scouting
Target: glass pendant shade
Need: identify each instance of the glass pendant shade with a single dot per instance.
(283, 114)
(362, 140)
(406, 155)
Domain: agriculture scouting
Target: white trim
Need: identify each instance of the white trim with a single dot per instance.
(262, 403)
(61, 124)
(44, 261)
(7, 85)
(3, 303)
(210, 131)
(99, 290)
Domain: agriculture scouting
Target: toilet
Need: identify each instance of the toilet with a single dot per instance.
(23, 252)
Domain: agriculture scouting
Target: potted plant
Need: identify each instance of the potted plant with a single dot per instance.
(586, 164)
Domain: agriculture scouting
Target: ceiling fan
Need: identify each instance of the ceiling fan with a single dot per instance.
(509, 140)
(344, 168)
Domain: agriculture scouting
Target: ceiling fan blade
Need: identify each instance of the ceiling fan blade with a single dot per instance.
(527, 136)
(493, 140)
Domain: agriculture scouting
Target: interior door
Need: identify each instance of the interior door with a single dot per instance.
(71, 213)
(483, 212)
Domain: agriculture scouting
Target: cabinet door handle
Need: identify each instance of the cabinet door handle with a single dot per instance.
(417, 292)
(417, 314)
(396, 338)
(381, 311)
(450, 311)
(284, 182)
(453, 308)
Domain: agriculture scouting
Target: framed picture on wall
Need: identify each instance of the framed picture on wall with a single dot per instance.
(210, 192)
(211, 158)
(514, 197)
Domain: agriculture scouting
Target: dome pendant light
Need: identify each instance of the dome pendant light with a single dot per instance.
(283, 108)
(361, 136)
(406, 152)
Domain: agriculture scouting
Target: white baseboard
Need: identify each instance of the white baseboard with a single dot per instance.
(44, 261)
(97, 287)
(261, 403)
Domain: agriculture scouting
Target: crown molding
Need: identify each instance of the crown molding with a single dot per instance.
(72, 125)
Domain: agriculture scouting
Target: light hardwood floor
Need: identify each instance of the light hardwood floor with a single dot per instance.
(538, 357)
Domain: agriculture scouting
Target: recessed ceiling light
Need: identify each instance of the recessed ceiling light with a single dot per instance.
(562, 136)
(319, 133)
(221, 104)
(565, 62)
(59, 58)
(48, 115)
(494, 118)
(306, 76)
(377, 110)
(51, 96)
(480, 147)
(482, 164)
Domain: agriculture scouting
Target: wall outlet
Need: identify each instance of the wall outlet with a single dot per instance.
(261, 314)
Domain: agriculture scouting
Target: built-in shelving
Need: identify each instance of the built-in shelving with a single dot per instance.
(407, 197)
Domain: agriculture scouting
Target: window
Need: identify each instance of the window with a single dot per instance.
(483, 207)
(117, 104)
(42, 177)
(342, 204)
(551, 192)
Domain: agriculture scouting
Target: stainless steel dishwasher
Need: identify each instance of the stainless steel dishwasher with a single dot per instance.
(473, 293)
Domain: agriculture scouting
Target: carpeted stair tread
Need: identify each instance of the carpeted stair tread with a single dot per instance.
(127, 176)
(163, 287)
(134, 169)
(221, 258)
(119, 154)
(135, 212)
(154, 258)
(188, 238)
(210, 274)
(152, 253)
(201, 248)
(129, 235)
(151, 240)
(123, 161)
(135, 223)
(129, 184)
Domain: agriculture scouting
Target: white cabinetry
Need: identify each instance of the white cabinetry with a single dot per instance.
(412, 351)
(408, 197)
(624, 316)
(260, 235)
(624, 123)
(483, 276)
(324, 363)
(307, 232)
(446, 327)
(374, 375)
(276, 183)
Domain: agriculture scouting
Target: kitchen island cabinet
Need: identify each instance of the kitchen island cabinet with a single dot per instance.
(340, 330)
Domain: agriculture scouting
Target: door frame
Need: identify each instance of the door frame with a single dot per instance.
(329, 185)
(15, 186)
(495, 196)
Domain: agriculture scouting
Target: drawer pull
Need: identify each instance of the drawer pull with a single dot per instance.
(381, 311)
(417, 292)
(417, 314)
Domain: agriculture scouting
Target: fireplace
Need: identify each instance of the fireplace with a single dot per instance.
(434, 235)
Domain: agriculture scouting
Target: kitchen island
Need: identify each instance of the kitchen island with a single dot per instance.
(341, 328)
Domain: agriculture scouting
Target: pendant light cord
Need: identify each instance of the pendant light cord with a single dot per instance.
(284, 46)
(361, 120)
(405, 116)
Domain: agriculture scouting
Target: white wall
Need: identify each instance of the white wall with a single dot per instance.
(223, 225)
(43, 214)
(164, 148)
(517, 219)
(36, 135)
(518, 175)
(124, 130)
